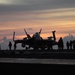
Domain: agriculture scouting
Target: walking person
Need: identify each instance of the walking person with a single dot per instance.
(10, 45)
(60, 43)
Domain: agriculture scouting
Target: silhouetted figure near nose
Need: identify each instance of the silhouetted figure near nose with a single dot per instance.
(67, 44)
(60, 43)
(10, 45)
(70, 44)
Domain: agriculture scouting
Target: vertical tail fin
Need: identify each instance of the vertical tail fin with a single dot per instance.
(25, 31)
(13, 36)
(53, 32)
(27, 34)
(40, 31)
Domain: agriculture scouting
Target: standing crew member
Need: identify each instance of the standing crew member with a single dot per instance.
(67, 44)
(60, 43)
(10, 45)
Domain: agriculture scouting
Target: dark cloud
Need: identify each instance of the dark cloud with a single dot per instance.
(68, 38)
(4, 39)
(30, 5)
(4, 43)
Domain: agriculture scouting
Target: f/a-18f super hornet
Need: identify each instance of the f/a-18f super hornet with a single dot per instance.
(36, 41)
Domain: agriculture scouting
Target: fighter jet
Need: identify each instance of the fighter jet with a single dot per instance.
(36, 41)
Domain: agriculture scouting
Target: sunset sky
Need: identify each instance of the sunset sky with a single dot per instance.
(15, 15)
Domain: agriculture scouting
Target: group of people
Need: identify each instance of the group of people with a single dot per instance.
(70, 45)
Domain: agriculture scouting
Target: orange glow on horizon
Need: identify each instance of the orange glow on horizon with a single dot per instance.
(61, 20)
(44, 36)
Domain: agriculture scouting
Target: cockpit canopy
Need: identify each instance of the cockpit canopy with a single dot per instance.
(37, 36)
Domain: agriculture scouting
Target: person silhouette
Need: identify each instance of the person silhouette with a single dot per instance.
(70, 44)
(60, 43)
(10, 45)
(67, 44)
